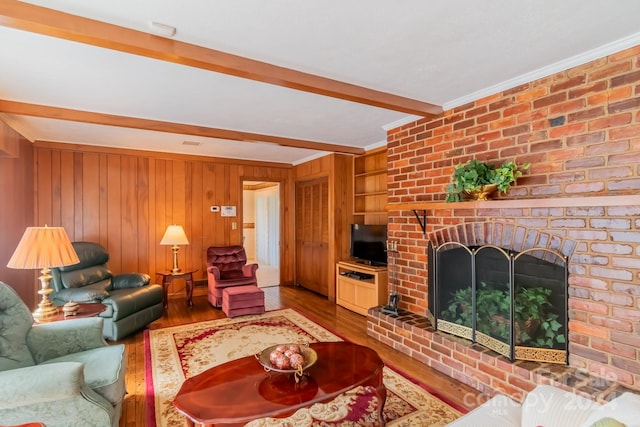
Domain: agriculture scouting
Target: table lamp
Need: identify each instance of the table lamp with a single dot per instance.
(44, 248)
(174, 236)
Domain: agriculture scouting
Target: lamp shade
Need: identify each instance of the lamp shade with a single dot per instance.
(43, 247)
(174, 236)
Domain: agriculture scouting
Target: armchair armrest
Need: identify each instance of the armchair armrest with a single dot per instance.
(249, 270)
(40, 383)
(214, 271)
(84, 294)
(130, 280)
(53, 394)
(49, 340)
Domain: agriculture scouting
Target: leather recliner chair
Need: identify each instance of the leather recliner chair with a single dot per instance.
(61, 374)
(132, 302)
(227, 266)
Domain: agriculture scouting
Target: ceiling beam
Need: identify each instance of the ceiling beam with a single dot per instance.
(34, 110)
(49, 22)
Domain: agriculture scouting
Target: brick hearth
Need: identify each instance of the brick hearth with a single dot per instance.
(477, 366)
(580, 130)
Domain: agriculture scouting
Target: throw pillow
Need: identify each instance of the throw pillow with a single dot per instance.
(625, 409)
(608, 422)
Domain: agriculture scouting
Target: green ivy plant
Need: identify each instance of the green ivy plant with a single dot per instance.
(474, 174)
(459, 308)
(533, 314)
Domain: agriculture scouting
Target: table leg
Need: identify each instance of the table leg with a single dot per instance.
(166, 281)
(189, 289)
(382, 391)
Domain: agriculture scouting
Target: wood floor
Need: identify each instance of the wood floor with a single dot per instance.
(345, 323)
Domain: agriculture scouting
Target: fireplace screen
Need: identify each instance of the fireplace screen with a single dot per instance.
(514, 303)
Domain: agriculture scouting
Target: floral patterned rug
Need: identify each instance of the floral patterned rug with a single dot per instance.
(176, 353)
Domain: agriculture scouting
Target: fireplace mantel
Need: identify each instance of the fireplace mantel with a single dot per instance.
(554, 202)
(623, 200)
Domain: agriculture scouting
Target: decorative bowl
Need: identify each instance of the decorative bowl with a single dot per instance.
(309, 354)
(70, 309)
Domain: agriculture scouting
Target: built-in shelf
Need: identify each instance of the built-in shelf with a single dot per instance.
(370, 187)
(373, 193)
(370, 213)
(373, 172)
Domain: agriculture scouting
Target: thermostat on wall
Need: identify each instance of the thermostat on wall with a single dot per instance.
(228, 211)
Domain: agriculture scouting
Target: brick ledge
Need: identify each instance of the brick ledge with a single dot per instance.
(623, 200)
(479, 367)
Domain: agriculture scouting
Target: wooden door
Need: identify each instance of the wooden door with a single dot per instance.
(312, 234)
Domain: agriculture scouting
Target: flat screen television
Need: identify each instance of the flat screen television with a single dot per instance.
(369, 244)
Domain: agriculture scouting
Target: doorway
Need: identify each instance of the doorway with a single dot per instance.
(261, 229)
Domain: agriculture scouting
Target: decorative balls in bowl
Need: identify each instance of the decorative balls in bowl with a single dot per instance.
(290, 358)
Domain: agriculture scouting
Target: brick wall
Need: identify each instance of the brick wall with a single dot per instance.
(580, 130)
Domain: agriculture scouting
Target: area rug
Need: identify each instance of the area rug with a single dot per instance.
(176, 353)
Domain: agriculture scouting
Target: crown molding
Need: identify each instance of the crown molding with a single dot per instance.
(400, 122)
(311, 157)
(574, 61)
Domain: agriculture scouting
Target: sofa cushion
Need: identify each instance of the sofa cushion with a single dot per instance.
(15, 323)
(236, 282)
(499, 411)
(547, 405)
(104, 370)
(607, 422)
(85, 276)
(89, 253)
(95, 292)
(231, 274)
(125, 302)
(227, 258)
(56, 394)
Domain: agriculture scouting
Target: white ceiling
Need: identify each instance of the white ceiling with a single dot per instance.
(445, 52)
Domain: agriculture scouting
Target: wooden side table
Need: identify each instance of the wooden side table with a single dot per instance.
(167, 279)
(87, 309)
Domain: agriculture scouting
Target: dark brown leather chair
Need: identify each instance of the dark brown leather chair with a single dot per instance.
(227, 266)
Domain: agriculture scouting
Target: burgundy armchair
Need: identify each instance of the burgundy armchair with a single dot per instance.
(227, 266)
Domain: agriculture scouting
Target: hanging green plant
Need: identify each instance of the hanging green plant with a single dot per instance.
(477, 180)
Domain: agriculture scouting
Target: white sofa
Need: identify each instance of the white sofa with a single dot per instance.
(548, 406)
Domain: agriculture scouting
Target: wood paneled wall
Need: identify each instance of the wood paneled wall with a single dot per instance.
(16, 199)
(125, 199)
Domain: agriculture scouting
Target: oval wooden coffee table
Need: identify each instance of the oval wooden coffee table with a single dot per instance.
(239, 391)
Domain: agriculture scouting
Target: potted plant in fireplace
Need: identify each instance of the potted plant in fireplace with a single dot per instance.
(535, 322)
(478, 180)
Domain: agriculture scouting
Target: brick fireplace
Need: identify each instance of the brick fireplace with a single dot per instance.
(483, 271)
(580, 130)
